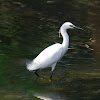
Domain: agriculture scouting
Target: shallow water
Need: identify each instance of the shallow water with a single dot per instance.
(27, 27)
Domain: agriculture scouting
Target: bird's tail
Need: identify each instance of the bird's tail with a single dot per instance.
(28, 64)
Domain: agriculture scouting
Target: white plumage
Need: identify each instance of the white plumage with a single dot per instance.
(47, 57)
(52, 54)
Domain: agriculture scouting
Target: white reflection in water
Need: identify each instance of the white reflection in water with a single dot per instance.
(48, 92)
(50, 96)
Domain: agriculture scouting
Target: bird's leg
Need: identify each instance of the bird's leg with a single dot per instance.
(51, 75)
(36, 73)
(53, 67)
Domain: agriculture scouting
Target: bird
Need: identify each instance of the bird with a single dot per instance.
(52, 54)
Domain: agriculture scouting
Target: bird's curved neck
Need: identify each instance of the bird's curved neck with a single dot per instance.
(65, 42)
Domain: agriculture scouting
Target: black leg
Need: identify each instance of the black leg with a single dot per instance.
(36, 73)
(51, 75)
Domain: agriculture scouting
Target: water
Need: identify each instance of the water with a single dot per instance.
(27, 27)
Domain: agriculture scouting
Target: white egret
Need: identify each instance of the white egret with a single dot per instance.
(52, 54)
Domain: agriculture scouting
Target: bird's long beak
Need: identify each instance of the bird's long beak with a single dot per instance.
(79, 28)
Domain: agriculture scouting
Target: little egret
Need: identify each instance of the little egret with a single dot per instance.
(52, 54)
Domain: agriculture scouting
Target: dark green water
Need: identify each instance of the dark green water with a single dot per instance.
(29, 26)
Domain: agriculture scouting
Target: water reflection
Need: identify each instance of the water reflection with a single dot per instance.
(52, 94)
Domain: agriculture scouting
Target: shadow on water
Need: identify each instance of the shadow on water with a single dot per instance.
(27, 27)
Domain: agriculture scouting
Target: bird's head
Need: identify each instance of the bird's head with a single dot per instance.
(69, 25)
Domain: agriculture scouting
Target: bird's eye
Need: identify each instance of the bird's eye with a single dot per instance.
(71, 25)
